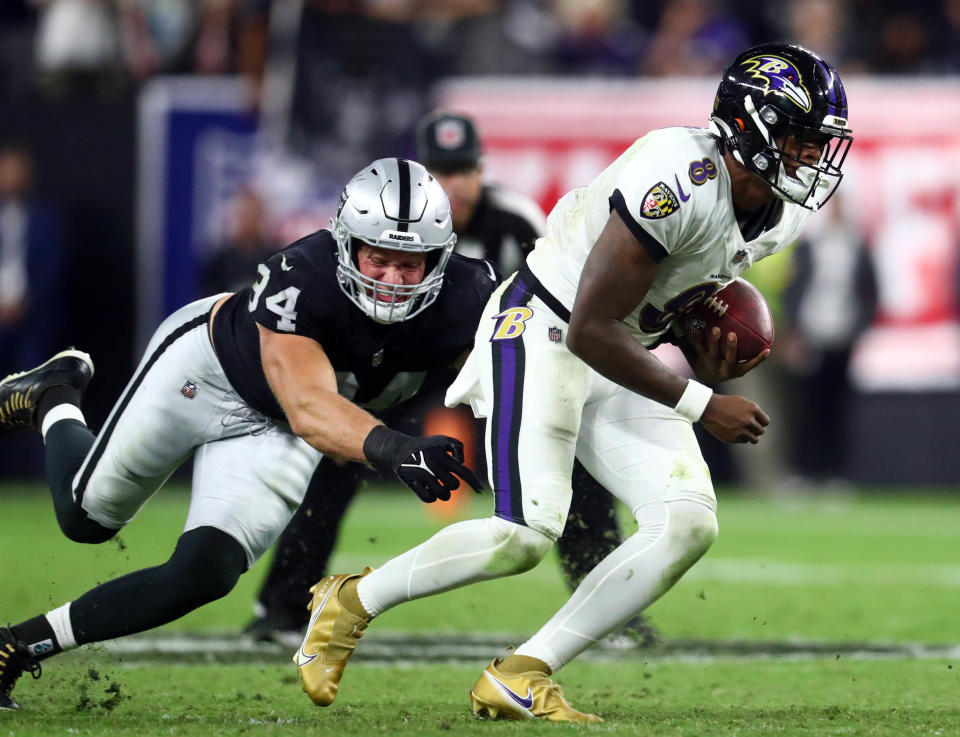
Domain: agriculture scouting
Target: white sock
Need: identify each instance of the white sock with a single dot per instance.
(463, 553)
(59, 620)
(627, 581)
(63, 411)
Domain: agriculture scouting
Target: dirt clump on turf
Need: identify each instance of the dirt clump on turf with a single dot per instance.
(89, 698)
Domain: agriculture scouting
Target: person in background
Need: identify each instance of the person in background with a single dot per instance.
(501, 226)
(234, 261)
(31, 281)
(829, 301)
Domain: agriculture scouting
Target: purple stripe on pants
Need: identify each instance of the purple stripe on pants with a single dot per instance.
(505, 393)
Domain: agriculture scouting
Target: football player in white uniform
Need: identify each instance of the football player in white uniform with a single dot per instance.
(561, 368)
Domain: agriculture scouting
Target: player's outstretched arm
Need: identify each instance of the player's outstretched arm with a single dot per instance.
(304, 382)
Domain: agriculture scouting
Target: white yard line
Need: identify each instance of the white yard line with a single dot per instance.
(757, 570)
(399, 648)
(745, 570)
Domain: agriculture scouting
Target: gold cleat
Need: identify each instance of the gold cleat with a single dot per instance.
(332, 634)
(531, 695)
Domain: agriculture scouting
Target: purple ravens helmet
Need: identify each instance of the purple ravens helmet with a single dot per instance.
(775, 91)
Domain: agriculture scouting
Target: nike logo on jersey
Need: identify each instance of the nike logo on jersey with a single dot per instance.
(283, 263)
(683, 195)
(490, 271)
(526, 703)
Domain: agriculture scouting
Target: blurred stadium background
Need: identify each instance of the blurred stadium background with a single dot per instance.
(162, 132)
(173, 142)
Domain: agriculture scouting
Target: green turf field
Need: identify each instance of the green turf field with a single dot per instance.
(815, 615)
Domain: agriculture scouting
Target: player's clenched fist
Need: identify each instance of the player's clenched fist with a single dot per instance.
(426, 465)
(734, 419)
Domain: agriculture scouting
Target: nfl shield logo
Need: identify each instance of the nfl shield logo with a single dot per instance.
(189, 390)
(555, 335)
(450, 133)
(377, 358)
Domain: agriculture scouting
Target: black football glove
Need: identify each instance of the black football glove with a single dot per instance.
(426, 465)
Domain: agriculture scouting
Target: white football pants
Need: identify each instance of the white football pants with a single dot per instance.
(250, 473)
(544, 407)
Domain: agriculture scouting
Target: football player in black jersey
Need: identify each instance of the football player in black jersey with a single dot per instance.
(260, 385)
(491, 223)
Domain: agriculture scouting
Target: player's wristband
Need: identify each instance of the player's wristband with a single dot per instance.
(694, 400)
(381, 445)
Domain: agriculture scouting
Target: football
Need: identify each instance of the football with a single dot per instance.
(737, 308)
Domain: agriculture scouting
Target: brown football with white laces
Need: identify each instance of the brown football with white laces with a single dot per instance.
(737, 308)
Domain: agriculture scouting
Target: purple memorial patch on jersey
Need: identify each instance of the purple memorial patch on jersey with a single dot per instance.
(658, 202)
(779, 75)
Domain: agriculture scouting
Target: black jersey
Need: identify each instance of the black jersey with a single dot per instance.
(376, 365)
(503, 228)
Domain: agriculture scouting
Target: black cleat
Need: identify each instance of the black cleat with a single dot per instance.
(15, 658)
(20, 393)
(285, 631)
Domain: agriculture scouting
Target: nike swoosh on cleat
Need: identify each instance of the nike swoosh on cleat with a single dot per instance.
(526, 703)
(303, 657)
(683, 196)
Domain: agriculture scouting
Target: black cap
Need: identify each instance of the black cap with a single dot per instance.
(447, 142)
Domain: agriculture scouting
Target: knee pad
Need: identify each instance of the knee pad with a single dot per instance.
(206, 564)
(546, 502)
(519, 548)
(77, 526)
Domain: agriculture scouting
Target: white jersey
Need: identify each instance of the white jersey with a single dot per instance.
(672, 190)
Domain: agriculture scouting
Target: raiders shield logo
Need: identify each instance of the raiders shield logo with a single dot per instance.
(658, 202)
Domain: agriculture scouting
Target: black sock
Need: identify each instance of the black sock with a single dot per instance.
(67, 444)
(37, 634)
(204, 566)
(56, 395)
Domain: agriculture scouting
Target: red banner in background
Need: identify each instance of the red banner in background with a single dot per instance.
(546, 137)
